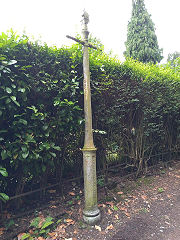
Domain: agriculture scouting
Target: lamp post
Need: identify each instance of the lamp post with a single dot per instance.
(91, 213)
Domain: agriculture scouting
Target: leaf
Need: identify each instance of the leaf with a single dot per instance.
(53, 206)
(123, 209)
(69, 221)
(11, 62)
(116, 216)
(3, 172)
(45, 127)
(25, 155)
(43, 168)
(98, 228)
(53, 154)
(110, 227)
(24, 236)
(35, 222)
(52, 191)
(23, 121)
(41, 238)
(2, 231)
(102, 205)
(21, 90)
(13, 98)
(57, 148)
(144, 197)
(4, 154)
(31, 231)
(8, 90)
(46, 224)
(72, 193)
(61, 228)
(127, 214)
(115, 208)
(109, 212)
(161, 190)
(52, 234)
(24, 148)
(4, 197)
(120, 193)
(15, 156)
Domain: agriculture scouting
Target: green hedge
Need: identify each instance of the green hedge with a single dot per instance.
(135, 111)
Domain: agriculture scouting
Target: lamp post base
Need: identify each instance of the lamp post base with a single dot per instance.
(91, 217)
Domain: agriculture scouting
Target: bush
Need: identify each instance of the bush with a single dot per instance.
(135, 111)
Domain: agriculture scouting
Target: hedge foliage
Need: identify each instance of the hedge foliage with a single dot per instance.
(136, 110)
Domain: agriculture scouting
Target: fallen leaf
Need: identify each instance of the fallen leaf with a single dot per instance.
(20, 235)
(109, 212)
(68, 212)
(127, 214)
(177, 176)
(69, 221)
(79, 202)
(52, 234)
(144, 197)
(109, 227)
(52, 191)
(70, 238)
(120, 193)
(80, 191)
(154, 198)
(41, 238)
(72, 193)
(98, 228)
(2, 231)
(31, 231)
(53, 206)
(123, 209)
(75, 231)
(116, 216)
(61, 228)
(8, 216)
(127, 204)
(102, 205)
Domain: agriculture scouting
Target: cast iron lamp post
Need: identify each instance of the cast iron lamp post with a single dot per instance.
(91, 213)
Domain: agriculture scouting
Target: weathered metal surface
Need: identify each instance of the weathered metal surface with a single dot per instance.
(91, 213)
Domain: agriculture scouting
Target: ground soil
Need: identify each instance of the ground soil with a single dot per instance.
(147, 208)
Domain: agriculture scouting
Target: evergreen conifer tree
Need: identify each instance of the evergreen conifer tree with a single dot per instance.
(142, 41)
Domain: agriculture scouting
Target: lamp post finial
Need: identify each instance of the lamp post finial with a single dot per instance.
(85, 17)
